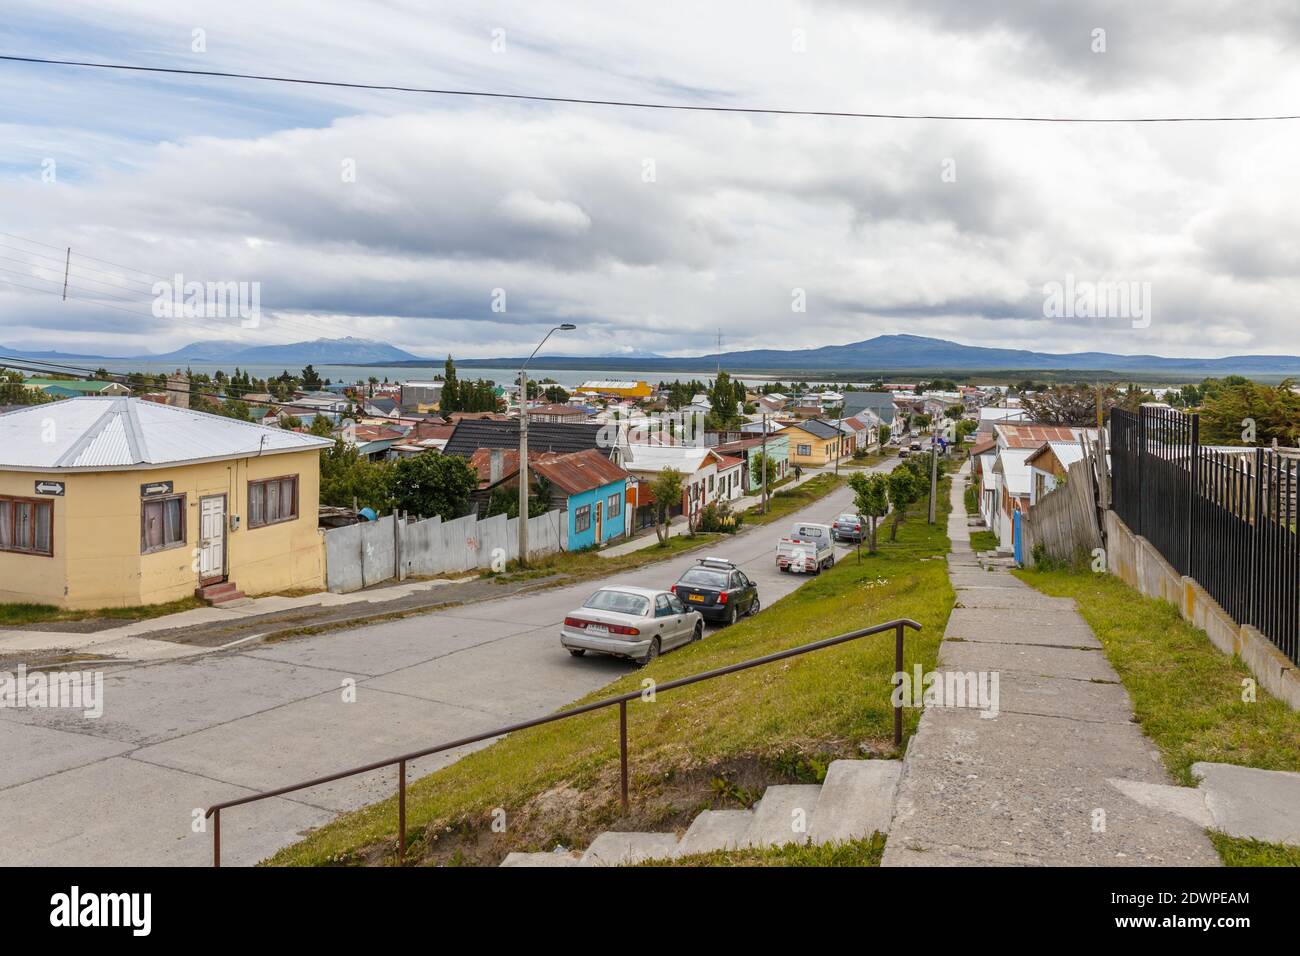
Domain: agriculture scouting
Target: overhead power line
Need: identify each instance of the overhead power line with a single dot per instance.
(642, 104)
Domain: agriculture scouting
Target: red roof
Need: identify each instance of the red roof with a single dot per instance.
(579, 471)
(566, 410)
(1031, 436)
(726, 461)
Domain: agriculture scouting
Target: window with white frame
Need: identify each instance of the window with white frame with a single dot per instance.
(613, 506)
(582, 519)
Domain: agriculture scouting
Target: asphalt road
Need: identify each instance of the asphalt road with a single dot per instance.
(127, 788)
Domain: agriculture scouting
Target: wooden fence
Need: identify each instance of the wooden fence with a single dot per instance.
(1066, 522)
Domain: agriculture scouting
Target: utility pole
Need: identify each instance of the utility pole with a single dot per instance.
(934, 469)
(765, 464)
(523, 444)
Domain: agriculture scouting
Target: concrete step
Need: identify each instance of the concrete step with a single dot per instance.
(716, 830)
(857, 799)
(784, 815)
(621, 849)
(541, 859)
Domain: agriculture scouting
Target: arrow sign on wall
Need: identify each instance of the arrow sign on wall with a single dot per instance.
(49, 488)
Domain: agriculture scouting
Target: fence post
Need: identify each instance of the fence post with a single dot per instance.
(1193, 475)
(898, 669)
(216, 839)
(1141, 454)
(1253, 584)
(622, 748)
(401, 813)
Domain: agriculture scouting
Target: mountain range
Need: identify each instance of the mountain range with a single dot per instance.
(884, 353)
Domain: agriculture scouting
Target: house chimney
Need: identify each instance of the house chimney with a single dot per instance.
(178, 390)
(495, 465)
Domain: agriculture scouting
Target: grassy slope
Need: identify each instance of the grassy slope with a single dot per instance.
(1186, 692)
(13, 615)
(831, 700)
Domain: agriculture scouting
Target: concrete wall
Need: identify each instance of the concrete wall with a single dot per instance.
(1136, 562)
(362, 555)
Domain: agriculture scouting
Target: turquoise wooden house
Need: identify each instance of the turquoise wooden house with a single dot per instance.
(591, 489)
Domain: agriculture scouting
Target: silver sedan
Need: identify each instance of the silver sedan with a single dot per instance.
(636, 623)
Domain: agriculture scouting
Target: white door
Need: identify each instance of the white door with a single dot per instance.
(212, 537)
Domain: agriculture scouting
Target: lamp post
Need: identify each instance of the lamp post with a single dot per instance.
(523, 442)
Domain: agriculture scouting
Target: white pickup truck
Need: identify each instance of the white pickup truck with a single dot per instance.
(807, 549)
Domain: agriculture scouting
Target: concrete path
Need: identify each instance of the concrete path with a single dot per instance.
(1031, 783)
(177, 735)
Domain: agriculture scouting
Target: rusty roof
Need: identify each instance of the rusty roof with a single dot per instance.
(579, 471)
(1031, 436)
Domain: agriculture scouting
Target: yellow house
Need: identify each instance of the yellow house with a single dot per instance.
(116, 502)
(814, 443)
(619, 388)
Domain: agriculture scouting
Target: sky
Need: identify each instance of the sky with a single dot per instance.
(471, 226)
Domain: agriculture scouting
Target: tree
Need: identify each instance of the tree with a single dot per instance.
(885, 434)
(431, 484)
(904, 490)
(871, 498)
(667, 491)
(311, 382)
(450, 399)
(14, 392)
(1237, 411)
(762, 467)
(555, 394)
(1077, 404)
(346, 476)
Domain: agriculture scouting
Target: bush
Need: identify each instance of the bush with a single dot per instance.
(719, 518)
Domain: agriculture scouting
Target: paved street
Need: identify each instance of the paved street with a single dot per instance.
(178, 735)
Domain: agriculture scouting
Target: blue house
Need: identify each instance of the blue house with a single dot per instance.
(592, 489)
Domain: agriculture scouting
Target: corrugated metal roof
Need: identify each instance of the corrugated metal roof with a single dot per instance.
(102, 434)
(580, 471)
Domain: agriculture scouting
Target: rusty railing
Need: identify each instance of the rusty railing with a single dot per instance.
(621, 700)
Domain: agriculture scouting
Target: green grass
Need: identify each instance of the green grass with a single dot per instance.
(784, 503)
(1187, 694)
(1239, 852)
(14, 615)
(832, 701)
(864, 852)
(983, 541)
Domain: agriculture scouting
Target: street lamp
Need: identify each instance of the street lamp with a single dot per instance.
(523, 442)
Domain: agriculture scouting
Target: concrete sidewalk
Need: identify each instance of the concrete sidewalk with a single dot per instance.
(1034, 782)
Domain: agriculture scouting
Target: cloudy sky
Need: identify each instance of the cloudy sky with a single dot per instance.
(396, 216)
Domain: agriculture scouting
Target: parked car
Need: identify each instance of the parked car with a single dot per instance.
(847, 527)
(636, 623)
(808, 548)
(903, 452)
(719, 590)
(915, 446)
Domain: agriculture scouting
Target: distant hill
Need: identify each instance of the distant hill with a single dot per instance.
(884, 353)
(916, 352)
(344, 351)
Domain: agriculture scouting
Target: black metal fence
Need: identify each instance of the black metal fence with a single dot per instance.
(1223, 516)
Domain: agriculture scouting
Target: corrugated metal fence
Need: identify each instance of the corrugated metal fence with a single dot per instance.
(361, 555)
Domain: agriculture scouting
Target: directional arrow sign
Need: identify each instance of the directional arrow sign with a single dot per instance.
(49, 488)
(156, 488)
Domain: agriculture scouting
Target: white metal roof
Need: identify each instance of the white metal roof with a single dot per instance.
(98, 433)
(1011, 465)
(685, 458)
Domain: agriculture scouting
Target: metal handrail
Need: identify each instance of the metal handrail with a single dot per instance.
(621, 700)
